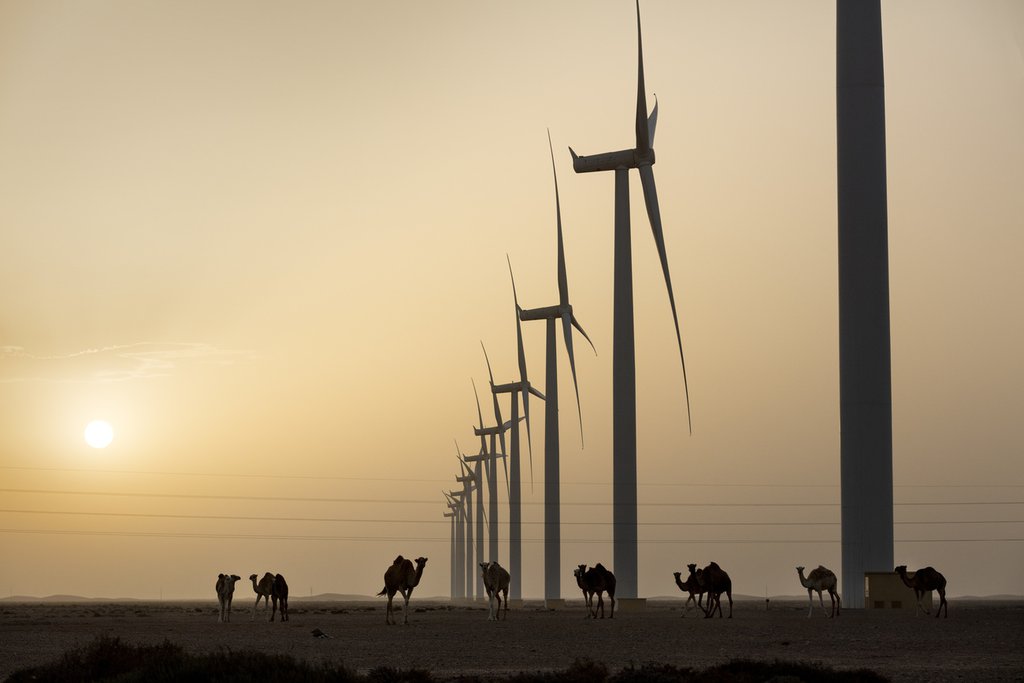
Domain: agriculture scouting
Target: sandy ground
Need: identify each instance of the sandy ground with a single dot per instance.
(981, 641)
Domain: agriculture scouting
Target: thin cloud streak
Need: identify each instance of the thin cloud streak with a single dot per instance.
(117, 363)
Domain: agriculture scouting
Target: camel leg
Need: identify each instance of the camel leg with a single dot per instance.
(405, 610)
(611, 596)
(273, 611)
(387, 614)
(728, 594)
(810, 603)
(821, 599)
(506, 603)
(942, 603)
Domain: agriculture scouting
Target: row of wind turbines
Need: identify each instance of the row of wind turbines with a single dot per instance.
(467, 503)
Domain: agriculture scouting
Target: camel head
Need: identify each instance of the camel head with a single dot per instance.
(579, 571)
(692, 568)
(901, 570)
(421, 562)
(800, 570)
(677, 575)
(252, 577)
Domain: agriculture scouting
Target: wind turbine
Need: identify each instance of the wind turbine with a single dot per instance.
(457, 504)
(623, 351)
(521, 388)
(470, 481)
(490, 457)
(455, 562)
(549, 314)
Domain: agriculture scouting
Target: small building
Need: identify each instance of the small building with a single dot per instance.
(886, 590)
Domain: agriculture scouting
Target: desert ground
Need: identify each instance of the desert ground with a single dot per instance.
(980, 641)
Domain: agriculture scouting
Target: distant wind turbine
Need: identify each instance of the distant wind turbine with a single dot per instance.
(489, 456)
(521, 388)
(470, 481)
(623, 351)
(562, 310)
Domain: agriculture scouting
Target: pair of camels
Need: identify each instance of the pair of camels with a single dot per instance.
(496, 581)
(270, 587)
(401, 577)
(712, 580)
(595, 580)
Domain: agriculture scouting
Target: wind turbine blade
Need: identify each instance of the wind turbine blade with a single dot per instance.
(563, 283)
(654, 214)
(508, 486)
(643, 137)
(529, 437)
(494, 399)
(576, 324)
(480, 414)
(652, 121)
(567, 330)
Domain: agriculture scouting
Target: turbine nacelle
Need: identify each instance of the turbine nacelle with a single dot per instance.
(546, 313)
(612, 161)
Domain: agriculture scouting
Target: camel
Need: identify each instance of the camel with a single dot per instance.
(715, 581)
(279, 594)
(588, 595)
(691, 586)
(225, 592)
(820, 579)
(496, 581)
(924, 580)
(263, 590)
(598, 580)
(401, 577)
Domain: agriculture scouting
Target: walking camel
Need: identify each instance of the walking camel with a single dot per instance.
(588, 595)
(924, 580)
(496, 581)
(279, 594)
(597, 580)
(263, 590)
(691, 586)
(715, 581)
(401, 577)
(225, 592)
(821, 579)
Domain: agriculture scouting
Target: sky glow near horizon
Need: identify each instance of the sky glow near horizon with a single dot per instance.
(265, 242)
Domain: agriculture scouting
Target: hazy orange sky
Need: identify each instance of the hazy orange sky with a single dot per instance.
(265, 240)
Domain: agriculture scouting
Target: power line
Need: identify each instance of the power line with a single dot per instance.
(273, 537)
(252, 475)
(436, 501)
(250, 518)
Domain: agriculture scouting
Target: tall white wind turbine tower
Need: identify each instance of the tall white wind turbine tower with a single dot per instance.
(549, 314)
(865, 367)
(623, 353)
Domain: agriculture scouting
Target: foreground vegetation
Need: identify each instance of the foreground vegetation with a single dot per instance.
(110, 659)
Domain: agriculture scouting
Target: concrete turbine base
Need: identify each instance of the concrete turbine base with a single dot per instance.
(631, 604)
(554, 603)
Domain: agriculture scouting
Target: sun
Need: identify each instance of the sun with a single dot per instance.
(99, 434)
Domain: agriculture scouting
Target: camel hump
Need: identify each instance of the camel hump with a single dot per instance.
(399, 560)
(600, 567)
(713, 565)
